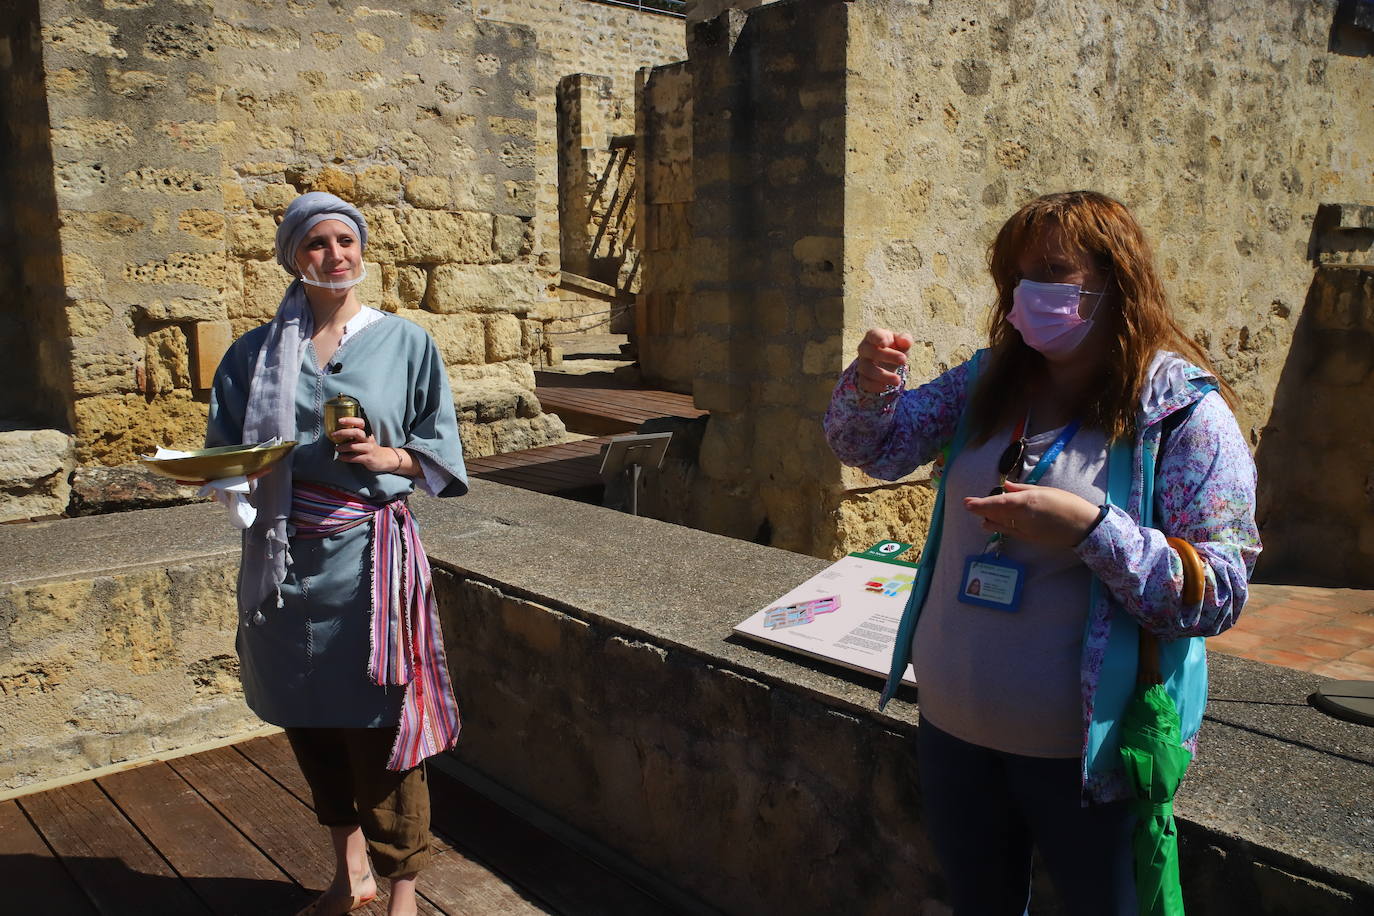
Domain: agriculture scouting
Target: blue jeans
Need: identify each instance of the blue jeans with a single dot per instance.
(984, 810)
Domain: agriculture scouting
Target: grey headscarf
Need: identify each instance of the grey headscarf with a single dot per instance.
(271, 408)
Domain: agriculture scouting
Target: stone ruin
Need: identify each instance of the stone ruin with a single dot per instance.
(789, 175)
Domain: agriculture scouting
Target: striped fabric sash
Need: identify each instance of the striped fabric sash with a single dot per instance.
(407, 645)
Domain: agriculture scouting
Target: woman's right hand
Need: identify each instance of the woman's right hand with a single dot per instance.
(881, 354)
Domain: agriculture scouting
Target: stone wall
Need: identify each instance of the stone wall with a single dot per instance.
(664, 329)
(34, 384)
(605, 693)
(932, 126)
(1223, 127)
(116, 641)
(577, 36)
(179, 132)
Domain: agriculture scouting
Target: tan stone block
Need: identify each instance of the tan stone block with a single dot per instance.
(378, 184)
(116, 429)
(493, 288)
(87, 36)
(513, 238)
(778, 360)
(80, 275)
(410, 285)
(823, 357)
(334, 181)
(518, 371)
(901, 512)
(725, 448)
(204, 269)
(204, 224)
(511, 127)
(429, 191)
(477, 440)
(134, 84)
(182, 309)
(444, 236)
(198, 136)
(373, 44)
(50, 608)
(138, 633)
(36, 466)
(386, 239)
(372, 291)
(942, 307)
(264, 283)
(252, 235)
(274, 197)
(234, 196)
(92, 134)
(166, 361)
(327, 41)
(257, 168)
(169, 180)
(461, 338)
(88, 316)
(209, 341)
(69, 81)
(100, 366)
(503, 338)
(100, 222)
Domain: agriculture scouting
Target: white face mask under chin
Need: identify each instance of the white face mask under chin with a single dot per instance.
(336, 284)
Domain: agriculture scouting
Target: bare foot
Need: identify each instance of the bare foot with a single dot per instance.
(339, 899)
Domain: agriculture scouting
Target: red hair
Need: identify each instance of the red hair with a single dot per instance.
(1141, 321)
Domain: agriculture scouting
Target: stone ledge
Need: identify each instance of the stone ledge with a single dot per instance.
(1278, 792)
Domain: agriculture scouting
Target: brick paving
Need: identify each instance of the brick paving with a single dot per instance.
(1328, 631)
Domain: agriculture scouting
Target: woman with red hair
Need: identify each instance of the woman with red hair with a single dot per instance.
(1096, 487)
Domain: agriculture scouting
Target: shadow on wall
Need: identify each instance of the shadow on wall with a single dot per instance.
(1315, 503)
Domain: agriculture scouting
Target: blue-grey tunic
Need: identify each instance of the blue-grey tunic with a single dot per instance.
(306, 665)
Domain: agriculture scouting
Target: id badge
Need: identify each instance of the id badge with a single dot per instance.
(992, 580)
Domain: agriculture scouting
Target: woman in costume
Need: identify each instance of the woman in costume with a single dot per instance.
(1054, 439)
(339, 639)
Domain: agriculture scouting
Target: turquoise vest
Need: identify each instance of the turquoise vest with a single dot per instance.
(1183, 662)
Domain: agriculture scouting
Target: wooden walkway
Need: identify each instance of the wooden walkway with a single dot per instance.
(231, 831)
(594, 407)
(589, 405)
(570, 469)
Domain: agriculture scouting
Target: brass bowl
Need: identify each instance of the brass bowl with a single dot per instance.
(217, 463)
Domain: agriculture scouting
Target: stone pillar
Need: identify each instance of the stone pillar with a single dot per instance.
(768, 298)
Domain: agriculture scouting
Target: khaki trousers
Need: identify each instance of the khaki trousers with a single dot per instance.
(351, 786)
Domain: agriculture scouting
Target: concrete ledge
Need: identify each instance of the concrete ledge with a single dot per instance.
(600, 682)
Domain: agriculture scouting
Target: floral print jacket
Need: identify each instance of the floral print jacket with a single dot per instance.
(1204, 492)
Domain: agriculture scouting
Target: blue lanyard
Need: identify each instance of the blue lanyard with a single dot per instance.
(995, 541)
(1052, 453)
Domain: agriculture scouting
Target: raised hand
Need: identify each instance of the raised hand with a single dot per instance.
(881, 354)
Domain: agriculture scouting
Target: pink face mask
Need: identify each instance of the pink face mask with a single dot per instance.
(1046, 314)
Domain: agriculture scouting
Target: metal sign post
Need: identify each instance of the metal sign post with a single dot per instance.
(628, 454)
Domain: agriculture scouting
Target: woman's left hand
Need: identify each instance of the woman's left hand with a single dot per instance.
(1042, 515)
(355, 446)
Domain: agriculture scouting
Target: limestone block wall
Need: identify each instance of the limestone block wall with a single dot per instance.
(1224, 127)
(116, 641)
(577, 36)
(34, 385)
(948, 120)
(664, 330)
(180, 131)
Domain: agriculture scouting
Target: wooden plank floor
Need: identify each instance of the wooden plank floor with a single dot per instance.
(231, 831)
(596, 407)
(563, 468)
